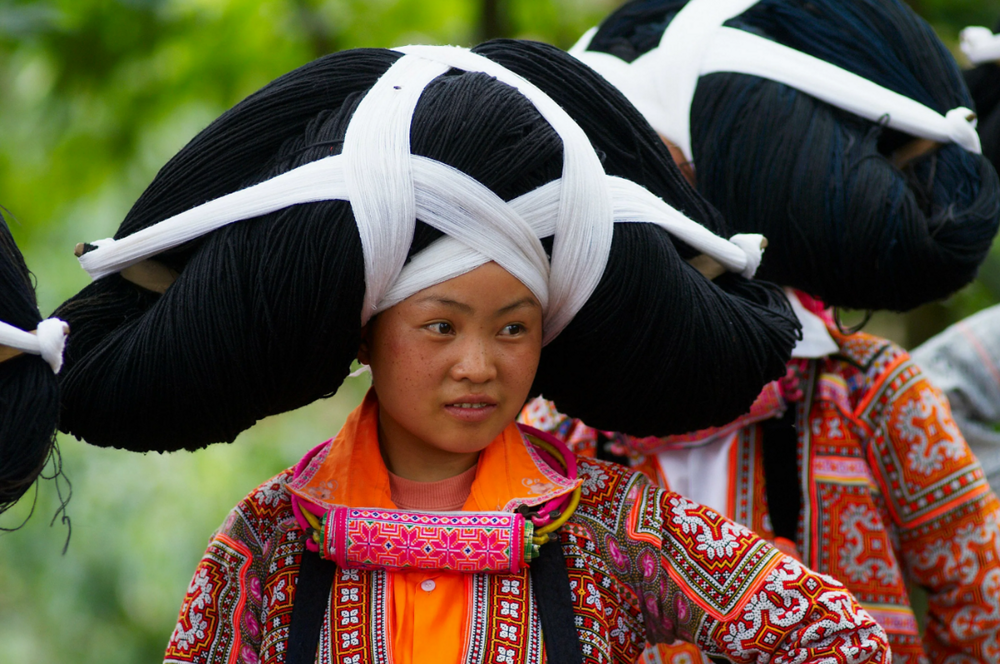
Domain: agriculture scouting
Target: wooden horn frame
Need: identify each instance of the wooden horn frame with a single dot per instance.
(149, 274)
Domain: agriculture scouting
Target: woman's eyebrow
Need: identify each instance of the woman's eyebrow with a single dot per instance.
(524, 301)
(454, 304)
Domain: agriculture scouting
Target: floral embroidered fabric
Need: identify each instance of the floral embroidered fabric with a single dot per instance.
(892, 495)
(643, 564)
(369, 538)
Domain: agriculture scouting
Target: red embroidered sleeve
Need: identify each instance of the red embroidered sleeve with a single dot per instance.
(757, 604)
(208, 629)
(220, 618)
(944, 511)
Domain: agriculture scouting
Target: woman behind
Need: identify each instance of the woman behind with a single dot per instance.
(443, 225)
(842, 132)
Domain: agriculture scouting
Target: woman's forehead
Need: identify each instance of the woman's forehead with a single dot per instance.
(487, 288)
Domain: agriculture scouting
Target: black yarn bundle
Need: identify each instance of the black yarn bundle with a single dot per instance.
(264, 316)
(843, 222)
(29, 392)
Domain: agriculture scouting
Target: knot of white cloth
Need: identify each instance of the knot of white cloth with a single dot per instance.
(48, 341)
(752, 245)
(962, 125)
(52, 334)
(980, 44)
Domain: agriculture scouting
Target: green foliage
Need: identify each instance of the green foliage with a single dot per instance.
(139, 526)
(95, 95)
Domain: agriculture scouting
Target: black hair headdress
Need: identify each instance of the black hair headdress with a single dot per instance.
(30, 356)
(800, 118)
(264, 315)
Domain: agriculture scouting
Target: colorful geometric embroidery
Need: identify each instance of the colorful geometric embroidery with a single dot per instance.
(512, 630)
(921, 456)
(356, 627)
(843, 470)
(208, 629)
(748, 490)
(716, 560)
(625, 587)
(279, 593)
(888, 485)
(839, 629)
(473, 542)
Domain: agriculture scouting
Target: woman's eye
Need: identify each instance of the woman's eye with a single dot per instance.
(513, 329)
(440, 328)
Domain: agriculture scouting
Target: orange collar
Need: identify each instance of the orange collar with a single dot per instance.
(348, 470)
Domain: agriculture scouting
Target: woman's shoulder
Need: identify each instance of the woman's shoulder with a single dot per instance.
(867, 352)
(265, 511)
(867, 362)
(611, 492)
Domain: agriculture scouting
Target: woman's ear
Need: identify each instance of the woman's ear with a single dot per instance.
(364, 349)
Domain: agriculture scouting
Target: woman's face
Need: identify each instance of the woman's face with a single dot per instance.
(452, 366)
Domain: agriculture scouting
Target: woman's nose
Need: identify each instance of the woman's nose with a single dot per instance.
(475, 362)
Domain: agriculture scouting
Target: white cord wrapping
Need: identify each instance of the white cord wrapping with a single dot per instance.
(661, 82)
(584, 227)
(48, 341)
(389, 189)
(377, 170)
(980, 45)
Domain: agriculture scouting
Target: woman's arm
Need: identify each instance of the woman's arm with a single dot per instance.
(944, 512)
(964, 363)
(222, 616)
(738, 598)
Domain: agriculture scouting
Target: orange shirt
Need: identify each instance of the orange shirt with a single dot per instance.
(429, 622)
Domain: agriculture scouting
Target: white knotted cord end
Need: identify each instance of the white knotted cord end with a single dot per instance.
(962, 125)
(52, 334)
(752, 245)
(979, 44)
(360, 371)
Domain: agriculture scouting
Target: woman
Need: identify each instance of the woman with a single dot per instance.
(846, 127)
(270, 290)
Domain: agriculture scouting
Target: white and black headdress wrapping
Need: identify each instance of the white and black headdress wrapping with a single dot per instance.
(30, 357)
(982, 47)
(366, 176)
(846, 125)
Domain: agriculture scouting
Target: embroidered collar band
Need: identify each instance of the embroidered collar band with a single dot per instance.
(341, 492)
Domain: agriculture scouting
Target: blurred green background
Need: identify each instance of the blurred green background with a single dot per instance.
(95, 95)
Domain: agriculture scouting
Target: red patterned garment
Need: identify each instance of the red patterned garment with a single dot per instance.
(891, 495)
(644, 565)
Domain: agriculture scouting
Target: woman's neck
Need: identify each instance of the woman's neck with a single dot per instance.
(412, 459)
(443, 496)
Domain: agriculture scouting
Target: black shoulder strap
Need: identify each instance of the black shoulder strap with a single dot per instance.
(312, 593)
(555, 604)
(548, 575)
(781, 473)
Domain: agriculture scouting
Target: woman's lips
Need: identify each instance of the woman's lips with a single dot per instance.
(472, 409)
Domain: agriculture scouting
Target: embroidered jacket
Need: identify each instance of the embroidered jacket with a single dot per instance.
(891, 495)
(644, 565)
